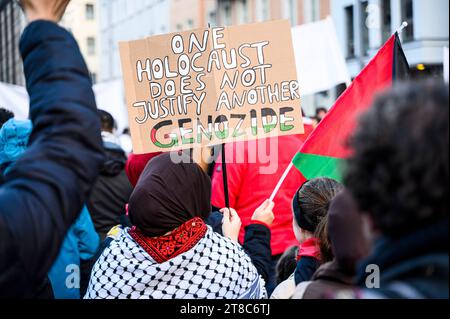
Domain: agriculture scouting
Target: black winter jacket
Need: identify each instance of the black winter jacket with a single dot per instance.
(110, 192)
(257, 245)
(43, 193)
(415, 266)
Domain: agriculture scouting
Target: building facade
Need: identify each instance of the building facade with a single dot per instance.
(125, 20)
(191, 14)
(12, 23)
(122, 20)
(81, 19)
(234, 12)
(364, 25)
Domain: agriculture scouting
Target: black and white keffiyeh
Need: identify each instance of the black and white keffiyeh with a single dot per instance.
(215, 268)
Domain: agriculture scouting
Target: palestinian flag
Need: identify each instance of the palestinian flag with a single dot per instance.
(324, 151)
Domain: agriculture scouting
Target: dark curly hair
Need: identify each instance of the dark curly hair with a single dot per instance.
(106, 120)
(399, 170)
(286, 264)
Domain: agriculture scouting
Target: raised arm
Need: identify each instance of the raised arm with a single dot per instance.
(44, 191)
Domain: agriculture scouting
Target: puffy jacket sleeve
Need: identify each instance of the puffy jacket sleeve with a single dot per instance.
(257, 246)
(88, 239)
(44, 191)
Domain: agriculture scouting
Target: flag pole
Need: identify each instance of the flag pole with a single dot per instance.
(285, 174)
(224, 169)
(402, 27)
(225, 178)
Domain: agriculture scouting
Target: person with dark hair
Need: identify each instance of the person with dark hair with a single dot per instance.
(43, 192)
(5, 115)
(398, 175)
(111, 191)
(349, 245)
(286, 264)
(106, 121)
(310, 209)
(320, 113)
(170, 252)
(108, 126)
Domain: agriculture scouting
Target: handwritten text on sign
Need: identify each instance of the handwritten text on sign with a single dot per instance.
(211, 86)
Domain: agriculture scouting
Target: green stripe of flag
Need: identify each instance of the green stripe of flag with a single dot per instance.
(313, 166)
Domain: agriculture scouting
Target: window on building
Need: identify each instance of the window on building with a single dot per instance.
(212, 18)
(365, 27)
(386, 20)
(350, 31)
(90, 11)
(227, 13)
(91, 45)
(312, 10)
(242, 11)
(290, 11)
(263, 10)
(315, 10)
(293, 11)
(407, 15)
(190, 24)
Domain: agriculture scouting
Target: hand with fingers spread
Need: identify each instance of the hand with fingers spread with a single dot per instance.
(51, 10)
(231, 224)
(264, 213)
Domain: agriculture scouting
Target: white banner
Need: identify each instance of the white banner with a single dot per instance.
(110, 98)
(14, 98)
(320, 62)
(108, 95)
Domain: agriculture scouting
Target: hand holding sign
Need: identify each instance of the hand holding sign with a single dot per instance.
(211, 86)
(231, 223)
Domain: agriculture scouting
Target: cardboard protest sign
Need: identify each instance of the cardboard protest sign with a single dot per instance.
(211, 86)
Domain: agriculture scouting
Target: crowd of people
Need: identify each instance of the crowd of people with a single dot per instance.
(82, 218)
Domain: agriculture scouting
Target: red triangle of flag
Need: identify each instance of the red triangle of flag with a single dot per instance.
(322, 152)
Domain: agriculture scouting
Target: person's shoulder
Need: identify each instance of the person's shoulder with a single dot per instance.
(285, 290)
(225, 242)
(115, 232)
